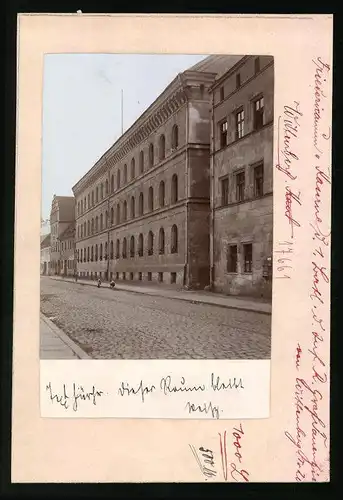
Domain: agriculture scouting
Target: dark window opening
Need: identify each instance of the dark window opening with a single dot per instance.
(223, 134)
(258, 180)
(221, 93)
(239, 124)
(149, 276)
(259, 113)
(160, 277)
(225, 191)
(238, 80)
(247, 252)
(240, 186)
(232, 259)
(172, 277)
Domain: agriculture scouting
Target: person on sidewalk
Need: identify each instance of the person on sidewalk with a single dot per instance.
(99, 283)
(112, 283)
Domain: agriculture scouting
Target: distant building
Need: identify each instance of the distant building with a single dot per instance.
(241, 231)
(143, 210)
(67, 252)
(62, 215)
(45, 254)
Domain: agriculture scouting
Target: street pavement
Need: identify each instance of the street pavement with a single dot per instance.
(119, 324)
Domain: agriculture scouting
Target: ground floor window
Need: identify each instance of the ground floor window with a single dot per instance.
(140, 276)
(172, 277)
(160, 277)
(231, 263)
(117, 276)
(124, 276)
(247, 254)
(131, 276)
(149, 276)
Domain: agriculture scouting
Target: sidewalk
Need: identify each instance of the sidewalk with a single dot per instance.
(55, 344)
(197, 297)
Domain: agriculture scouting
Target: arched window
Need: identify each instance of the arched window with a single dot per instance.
(162, 194)
(112, 215)
(85, 203)
(81, 260)
(162, 147)
(97, 195)
(175, 137)
(106, 189)
(118, 214)
(81, 206)
(96, 253)
(161, 243)
(101, 222)
(124, 248)
(89, 200)
(106, 251)
(100, 251)
(112, 183)
(117, 249)
(125, 173)
(92, 198)
(81, 230)
(111, 250)
(84, 229)
(87, 254)
(150, 243)
(133, 168)
(88, 228)
(174, 239)
(151, 155)
(96, 224)
(140, 245)
(132, 246)
(125, 210)
(102, 191)
(174, 189)
(151, 199)
(92, 253)
(118, 179)
(133, 214)
(106, 218)
(141, 162)
(92, 226)
(141, 204)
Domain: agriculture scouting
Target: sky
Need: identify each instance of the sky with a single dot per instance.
(82, 108)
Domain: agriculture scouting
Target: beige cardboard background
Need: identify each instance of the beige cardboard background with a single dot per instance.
(92, 450)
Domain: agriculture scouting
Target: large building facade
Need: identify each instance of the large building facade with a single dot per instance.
(62, 215)
(45, 254)
(143, 210)
(242, 178)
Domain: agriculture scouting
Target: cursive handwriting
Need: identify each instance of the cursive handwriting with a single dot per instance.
(289, 124)
(321, 69)
(78, 393)
(284, 261)
(297, 357)
(143, 390)
(205, 460)
(238, 474)
(290, 197)
(218, 385)
(167, 386)
(207, 408)
(61, 399)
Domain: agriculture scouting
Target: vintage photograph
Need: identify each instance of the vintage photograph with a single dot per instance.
(157, 206)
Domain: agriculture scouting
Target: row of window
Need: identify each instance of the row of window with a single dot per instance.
(239, 180)
(103, 190)
(238, 78)
(100, 252)
(232, 258)
(103, 275)
(62, 246)
(239, 121)
(120, 215)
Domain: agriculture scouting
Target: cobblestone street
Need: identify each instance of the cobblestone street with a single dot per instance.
(114, 324)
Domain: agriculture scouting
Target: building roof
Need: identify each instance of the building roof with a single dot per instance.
(69, 232)
(66, 207)
(218, 64)
(45, 241)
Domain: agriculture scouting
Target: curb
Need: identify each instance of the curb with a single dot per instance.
(64, 337)
(193, 301)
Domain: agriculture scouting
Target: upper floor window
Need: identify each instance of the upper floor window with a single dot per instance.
(88, 228)
(174, 189)
(175, 137)
(118, 179)
(101, 222)
(141, 204)
(151, 199)
(258, 113)
(240, 186)
(89, 200)
(221, 94)
(224, 184)
(106, 219)
(133, 168)
(162, 194)
(125, 210)
(112, 215)
(257, 65)
(140, 245)
(223, 133)
(162, 147)
(174, 239)
(161, 242)
(238, 80)
(106, 189)
(150, 243)
(258, 180)
(96, 224)
(96, 194)
(111, 250)
(117, 249)
(151, 155)
(132, 246)
(125, 173)
(133, 206)
(239, 124)
(124, 252)
(112, 183)
(101, 191)
(92, 226)
(141, 162)
(118, 214)
(92, 198)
